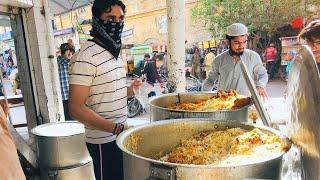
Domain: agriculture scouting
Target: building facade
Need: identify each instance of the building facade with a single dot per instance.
(145, 23)
(69, 26)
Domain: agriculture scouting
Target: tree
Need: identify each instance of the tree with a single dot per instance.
(267, 20)
(258, 15)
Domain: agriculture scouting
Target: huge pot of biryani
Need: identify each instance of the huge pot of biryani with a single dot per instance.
(223, 105)
(201, 149)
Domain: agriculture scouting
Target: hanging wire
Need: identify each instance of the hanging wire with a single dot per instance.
(72, 9)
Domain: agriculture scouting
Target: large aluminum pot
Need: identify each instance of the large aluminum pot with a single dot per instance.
(61, 145)
(142, 144)
(159, 110)
(83, 172)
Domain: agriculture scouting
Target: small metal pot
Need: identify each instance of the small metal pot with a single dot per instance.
(160, 111)
(61, 145)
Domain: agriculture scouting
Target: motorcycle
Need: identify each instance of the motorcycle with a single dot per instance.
(138, 104)
(134, 107)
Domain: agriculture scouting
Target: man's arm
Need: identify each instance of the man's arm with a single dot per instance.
(78, 110)
(212, 77)
(262, 75)
(130, 91)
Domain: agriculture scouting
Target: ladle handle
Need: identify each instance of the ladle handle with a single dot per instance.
(256, 98)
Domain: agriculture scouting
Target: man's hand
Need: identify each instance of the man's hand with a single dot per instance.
(262, 92)
(134, 85)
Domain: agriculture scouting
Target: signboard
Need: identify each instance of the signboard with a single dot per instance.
(127, 33)
(5, 36)
(63, 31)
(213, 43)
(206, 44)
(162, 23)
(84, 37)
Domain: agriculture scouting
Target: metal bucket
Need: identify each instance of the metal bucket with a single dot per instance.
(159, 110)
(61, 145)
(142, 144)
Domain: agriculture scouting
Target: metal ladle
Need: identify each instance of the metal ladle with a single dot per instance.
(256, 97)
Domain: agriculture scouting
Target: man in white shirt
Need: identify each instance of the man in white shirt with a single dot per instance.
(208, 61)
(226, 66)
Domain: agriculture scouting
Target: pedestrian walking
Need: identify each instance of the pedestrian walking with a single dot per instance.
(291, 55)
(196, 64)
(208, 61)
(270, 56)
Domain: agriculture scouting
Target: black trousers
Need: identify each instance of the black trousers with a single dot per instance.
(66, 110)
(107, 161)
(271, 67)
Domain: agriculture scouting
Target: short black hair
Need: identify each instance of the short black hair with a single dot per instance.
(100, 6)
(65, 47)
(146, 56)
(312, 30)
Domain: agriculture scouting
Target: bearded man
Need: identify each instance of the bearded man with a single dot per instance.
(226, 66)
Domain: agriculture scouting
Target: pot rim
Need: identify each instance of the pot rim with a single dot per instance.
(190, 111)
(34, 130)
(126, 133)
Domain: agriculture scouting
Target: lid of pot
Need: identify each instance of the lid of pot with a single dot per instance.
(304, 104)
(58, 129)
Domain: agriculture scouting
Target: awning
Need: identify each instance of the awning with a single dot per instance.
(17, 3)
(58, 7)
(4, 20)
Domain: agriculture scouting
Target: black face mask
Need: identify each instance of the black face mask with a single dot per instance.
(109, 33)
(113, 29)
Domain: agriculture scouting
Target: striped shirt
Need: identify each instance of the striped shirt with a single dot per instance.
(95, 67)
